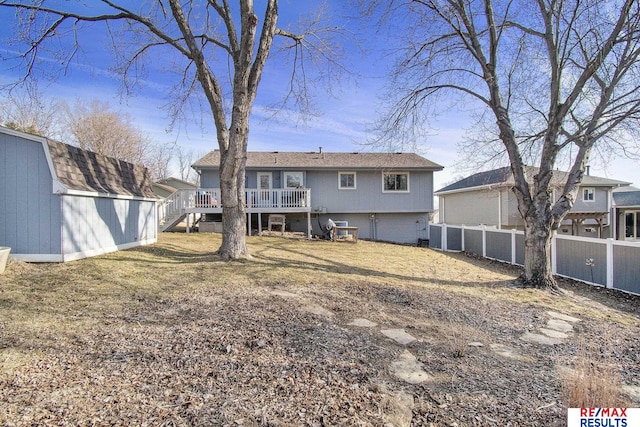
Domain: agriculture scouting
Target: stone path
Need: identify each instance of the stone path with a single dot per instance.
(558, 329)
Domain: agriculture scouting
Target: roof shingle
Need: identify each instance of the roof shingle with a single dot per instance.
(84, 170)
(316, 160)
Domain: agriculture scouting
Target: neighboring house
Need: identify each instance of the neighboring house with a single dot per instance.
(61, 203)
(486, 198)
(166, 187)
(626, 205)
(388, 196)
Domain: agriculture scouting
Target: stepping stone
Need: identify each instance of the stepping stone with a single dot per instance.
(506, 351)
(561, 316)
(363, 323)
(475, 344)
(318, 310)
(540, 339)
(553, 334)
(559, 325)
(397, 409)
(399, 336)
(407, 368)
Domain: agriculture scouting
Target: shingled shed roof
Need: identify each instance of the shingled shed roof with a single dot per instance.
(626, 198)
(322, 160)
(84, 170)
(504, 177)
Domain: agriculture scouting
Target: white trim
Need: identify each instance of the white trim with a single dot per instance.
(36, 257)
(408, 190)
(79, 255)
(354, 173)
(83, 193)
(284, 179)
(592, 191)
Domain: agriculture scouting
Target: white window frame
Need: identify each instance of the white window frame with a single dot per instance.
(340, 187)
(299, 173)
(397, 173)
(586, 191)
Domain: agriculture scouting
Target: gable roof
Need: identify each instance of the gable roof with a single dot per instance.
(84, 170)
(322, 160)
(502, 177)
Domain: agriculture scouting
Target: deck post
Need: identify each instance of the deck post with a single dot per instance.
(249, 224)
(260, 224)
(188, 225)
(309, 225)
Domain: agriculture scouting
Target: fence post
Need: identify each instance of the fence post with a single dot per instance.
(610, 271)
(513, 246)
(484, 241)
(462, 237)
(444, 237)
(554, 253)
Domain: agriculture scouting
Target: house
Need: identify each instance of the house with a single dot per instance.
(388, 196)
(61, 203)
(486, 198)
(167, 186)
(626, 208)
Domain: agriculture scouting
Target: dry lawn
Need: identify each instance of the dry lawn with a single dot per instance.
(170, 335)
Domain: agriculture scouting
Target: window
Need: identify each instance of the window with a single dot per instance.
(347, 180)
(588, 194)
(395, 182)
(293, 180)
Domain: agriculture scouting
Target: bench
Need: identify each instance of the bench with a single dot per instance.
(277, 220)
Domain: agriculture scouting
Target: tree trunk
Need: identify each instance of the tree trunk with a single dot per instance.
(537, 255)
(232, 194)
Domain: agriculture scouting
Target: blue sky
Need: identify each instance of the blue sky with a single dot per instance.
(343, 124)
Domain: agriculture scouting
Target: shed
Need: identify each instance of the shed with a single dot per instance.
(60, 203)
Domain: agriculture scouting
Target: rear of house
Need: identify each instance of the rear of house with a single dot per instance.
(388, 196)
(60, 203)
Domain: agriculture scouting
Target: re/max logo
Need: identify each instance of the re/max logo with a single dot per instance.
(603, 417)
(603, 412)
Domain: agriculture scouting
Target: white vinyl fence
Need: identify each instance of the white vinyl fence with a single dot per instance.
(611, 263)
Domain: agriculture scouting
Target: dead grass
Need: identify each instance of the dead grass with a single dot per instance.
(170, 330)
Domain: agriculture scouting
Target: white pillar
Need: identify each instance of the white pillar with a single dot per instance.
(610, 272)
(309, 225)
(554, 253)
(188, 225)
(513, 246)
(259, 224)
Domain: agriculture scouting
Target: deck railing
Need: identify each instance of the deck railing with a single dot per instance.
(209, 198)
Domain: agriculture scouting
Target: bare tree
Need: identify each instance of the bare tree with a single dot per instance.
(94, 126)
(557, 78)
(29, 111)
(185, 159)
(197, 35)
(157, 158)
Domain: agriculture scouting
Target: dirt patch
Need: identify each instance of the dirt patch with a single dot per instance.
(170, 335)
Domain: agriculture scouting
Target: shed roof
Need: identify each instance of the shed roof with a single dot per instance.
(84, 170)
(504, 177)
(626, 198)
(322, 160)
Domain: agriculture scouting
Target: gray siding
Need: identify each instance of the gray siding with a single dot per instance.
(599, 204)
(366, 198)
(30, 219)
(471, 208)
(101, 224)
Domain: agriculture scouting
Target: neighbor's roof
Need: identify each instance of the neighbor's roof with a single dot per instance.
(316, 160)
(84, 170)
(503, 177)
(626, 198)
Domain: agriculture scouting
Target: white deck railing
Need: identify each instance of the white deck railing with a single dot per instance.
(209, 198)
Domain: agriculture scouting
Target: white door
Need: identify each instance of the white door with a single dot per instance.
(264, 189)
